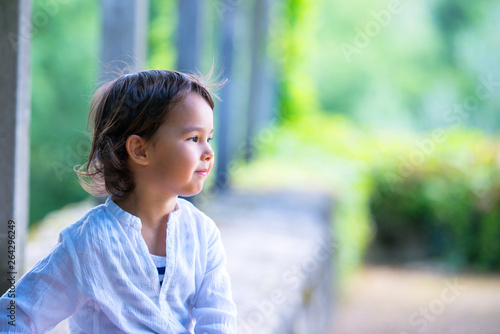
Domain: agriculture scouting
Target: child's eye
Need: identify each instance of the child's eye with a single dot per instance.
(210, 139)
(194, 139)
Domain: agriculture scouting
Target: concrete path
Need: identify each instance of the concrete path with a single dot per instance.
(389, 300)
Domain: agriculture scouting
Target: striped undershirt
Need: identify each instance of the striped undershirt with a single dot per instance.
(160, 262)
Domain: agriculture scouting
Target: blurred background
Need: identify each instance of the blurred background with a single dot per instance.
(390, 107)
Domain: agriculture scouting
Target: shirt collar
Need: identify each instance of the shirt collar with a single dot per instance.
(174, 215)
(129, 219)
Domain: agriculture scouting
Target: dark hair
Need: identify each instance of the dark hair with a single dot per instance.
(136, 103)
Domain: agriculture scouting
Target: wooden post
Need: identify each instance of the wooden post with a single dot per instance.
(15, 25)
(189, 34)
(124, 37)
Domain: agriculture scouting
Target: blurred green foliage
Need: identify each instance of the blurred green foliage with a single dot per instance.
(410, 62)
(398, 131)
(162, 23)
(377, 125)
(389, 189)
(446, 194)
(64, 51)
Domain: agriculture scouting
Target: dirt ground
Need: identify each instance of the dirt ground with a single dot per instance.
(399, 300)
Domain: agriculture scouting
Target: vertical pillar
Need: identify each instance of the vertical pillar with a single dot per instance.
(124, 36)
(189, 34)
(260, 99)
(15, 25)
(227, 17)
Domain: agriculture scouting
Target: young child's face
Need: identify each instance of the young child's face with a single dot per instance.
(181, 156)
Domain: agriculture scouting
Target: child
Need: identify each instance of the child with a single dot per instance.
(145, 261)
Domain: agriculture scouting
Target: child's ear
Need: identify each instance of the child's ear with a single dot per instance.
(136, 148)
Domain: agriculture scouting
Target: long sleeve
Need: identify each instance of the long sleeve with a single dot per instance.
(102, 275)
(214, 310)
(47, 294)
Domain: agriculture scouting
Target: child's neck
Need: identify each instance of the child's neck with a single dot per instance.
(153, 212)
(154, 216)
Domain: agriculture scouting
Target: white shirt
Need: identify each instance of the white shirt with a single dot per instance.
(101, 274)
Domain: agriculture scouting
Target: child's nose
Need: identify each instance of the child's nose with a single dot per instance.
(208, 154)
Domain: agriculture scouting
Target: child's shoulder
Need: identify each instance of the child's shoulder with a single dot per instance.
(186, 205)
(86, 225)
(191, 213)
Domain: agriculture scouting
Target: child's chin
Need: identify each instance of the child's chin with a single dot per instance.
(192, 193)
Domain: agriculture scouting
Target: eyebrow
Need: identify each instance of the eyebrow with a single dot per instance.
(194, 129)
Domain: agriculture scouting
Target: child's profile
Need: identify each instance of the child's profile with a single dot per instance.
(146, 261)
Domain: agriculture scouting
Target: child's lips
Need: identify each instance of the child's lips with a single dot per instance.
(203, 172)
